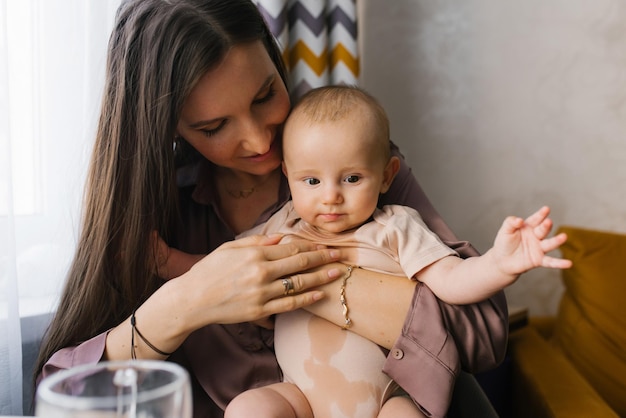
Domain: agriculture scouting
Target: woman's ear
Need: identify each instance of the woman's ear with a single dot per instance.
(392, 168)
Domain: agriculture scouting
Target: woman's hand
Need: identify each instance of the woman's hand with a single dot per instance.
(242, 280)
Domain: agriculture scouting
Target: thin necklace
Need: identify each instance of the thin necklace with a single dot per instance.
(242, 194)
(246, 193)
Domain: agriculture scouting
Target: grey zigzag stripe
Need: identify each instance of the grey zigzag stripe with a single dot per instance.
(299, 12)
(339, 16)
(316, 24)
(331, 18)
(299, 89)
(277, 24)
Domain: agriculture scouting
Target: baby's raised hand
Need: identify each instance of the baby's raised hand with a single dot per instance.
(522, 245)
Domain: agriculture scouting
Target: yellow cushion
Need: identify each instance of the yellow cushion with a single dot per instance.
(546, 384)
(590, 326)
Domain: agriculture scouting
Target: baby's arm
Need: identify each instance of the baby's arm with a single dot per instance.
(178, 263)
(171, 262)
(520, 245)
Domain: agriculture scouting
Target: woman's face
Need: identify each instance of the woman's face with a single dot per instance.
(234, 115)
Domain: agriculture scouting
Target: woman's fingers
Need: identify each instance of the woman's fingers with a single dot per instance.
(293, 263)
(297, 283)
(252, 241)
(260, 277)
(290, 303)
(314, 254)
(268, 262)
(295, 249)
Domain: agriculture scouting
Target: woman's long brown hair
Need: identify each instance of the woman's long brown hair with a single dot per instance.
(157, 52)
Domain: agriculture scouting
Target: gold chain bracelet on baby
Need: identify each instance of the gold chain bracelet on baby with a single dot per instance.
(342, 298)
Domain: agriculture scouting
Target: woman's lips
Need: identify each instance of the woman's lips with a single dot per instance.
(259, 158)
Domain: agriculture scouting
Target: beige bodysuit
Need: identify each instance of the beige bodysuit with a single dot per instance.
(339, 371)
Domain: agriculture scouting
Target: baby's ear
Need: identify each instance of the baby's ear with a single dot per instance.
(285, 169)
(392, 168)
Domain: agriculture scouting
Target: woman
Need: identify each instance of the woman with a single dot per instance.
(187, 150)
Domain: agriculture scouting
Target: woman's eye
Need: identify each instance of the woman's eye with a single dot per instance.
(311, 181)
(352, 179)
(267, 96)
(213, 131)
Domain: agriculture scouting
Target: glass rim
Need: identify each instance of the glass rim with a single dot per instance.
(46, 394)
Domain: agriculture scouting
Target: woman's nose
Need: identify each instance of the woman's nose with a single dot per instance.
(257, 136)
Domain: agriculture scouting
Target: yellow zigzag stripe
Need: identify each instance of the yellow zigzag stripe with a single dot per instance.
(300, 51)
(341, 53)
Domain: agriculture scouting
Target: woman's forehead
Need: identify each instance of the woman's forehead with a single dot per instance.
(239, 77)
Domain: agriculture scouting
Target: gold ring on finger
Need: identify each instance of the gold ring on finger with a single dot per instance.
(288, 285)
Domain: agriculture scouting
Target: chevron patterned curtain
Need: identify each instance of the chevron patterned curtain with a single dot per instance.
(318, 39)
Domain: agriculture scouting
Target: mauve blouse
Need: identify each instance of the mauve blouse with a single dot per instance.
(437, 341)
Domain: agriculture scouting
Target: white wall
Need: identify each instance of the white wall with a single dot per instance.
(501, 107)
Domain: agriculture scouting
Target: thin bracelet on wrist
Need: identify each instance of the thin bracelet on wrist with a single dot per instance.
(134, 329)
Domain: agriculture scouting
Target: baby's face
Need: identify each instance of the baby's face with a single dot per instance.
(335, 173)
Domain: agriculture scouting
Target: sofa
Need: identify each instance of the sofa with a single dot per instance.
(574, 364)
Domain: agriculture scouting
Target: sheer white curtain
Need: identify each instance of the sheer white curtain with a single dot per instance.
(52, 57)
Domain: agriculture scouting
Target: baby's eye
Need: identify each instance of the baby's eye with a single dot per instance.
(352, 179)
(311, 181)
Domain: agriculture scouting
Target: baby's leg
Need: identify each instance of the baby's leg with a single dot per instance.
(277, 400)
(400, 406)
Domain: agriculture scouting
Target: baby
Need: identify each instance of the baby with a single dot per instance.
(337, 160)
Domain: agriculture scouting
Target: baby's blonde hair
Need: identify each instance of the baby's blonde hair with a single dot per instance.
(334, 103)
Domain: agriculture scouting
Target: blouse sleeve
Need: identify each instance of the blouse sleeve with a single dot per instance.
(89, 352)
(439, 339)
